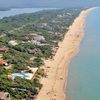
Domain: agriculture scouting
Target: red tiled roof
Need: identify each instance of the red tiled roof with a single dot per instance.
(3, 49)
(1, 62)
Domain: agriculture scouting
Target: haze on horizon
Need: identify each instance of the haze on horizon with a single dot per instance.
(48, 3)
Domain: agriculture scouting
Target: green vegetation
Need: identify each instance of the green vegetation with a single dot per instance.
(20, 88)
(30, 39)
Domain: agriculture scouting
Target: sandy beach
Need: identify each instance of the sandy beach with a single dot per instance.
(57, 68)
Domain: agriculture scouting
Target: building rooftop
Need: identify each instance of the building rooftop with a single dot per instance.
(13, 42)
(3, 49)
(4, 96)
(2, 62)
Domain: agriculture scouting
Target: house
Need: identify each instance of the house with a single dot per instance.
(13, 42)
(4, 96)
(39, 38)
(3, 49)
(41, 25)
(59, 16)
(34, 51)
(2, 62)
(35, 42)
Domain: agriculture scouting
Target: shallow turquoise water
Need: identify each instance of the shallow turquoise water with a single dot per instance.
(84, 70)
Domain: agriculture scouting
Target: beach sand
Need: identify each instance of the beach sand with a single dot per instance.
(57, 68)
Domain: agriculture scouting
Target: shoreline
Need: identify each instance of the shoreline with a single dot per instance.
(85, 14)
(57, 68)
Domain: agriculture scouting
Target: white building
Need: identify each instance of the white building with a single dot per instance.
(13, 42)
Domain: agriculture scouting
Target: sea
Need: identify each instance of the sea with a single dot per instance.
(84, 70)
(16, 11)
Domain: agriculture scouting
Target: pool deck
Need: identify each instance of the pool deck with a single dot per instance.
(28, 76)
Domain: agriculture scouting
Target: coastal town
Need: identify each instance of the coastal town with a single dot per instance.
(26, 41)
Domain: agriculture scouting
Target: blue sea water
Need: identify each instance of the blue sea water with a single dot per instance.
(84, 70)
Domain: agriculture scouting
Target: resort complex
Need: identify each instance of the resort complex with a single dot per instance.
(26, 42)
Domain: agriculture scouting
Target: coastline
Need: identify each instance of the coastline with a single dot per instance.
(57, 68)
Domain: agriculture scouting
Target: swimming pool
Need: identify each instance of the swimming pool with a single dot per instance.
(21, 75)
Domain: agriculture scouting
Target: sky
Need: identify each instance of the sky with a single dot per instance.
(48, 3)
